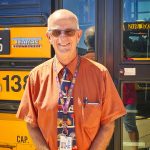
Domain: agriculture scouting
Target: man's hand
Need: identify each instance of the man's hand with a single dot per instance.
(103, 137)
(37, 138)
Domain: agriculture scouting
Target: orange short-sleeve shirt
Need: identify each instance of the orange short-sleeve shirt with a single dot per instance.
(39, 104)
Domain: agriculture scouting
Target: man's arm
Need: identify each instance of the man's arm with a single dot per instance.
(103, 137)
(37, 138)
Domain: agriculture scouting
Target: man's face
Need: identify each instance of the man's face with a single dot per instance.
(64, 36)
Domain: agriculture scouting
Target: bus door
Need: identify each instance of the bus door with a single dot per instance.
(133, 71)
(23, 45)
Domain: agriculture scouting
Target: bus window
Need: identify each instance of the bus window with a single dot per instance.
(136, 30)
(24, 12)
(134, 10)
(136, 40)
(85, 11)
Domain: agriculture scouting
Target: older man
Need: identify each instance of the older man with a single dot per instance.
(69, 102)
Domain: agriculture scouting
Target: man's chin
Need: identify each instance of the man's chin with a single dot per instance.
(65, 50)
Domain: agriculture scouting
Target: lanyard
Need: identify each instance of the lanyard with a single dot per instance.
(68, 96)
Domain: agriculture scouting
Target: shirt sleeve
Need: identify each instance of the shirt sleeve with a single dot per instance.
(27, 110)
(112, 105)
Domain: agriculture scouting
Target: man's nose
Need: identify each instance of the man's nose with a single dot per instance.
(62, 33)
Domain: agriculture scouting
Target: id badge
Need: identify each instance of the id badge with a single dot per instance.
(65, 143)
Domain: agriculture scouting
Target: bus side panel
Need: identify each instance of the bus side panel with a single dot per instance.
(25, 42)
(14, 134)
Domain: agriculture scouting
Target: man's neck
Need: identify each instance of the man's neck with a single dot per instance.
(66, 61)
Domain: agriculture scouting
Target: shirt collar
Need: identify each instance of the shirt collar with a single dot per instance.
(71, 66)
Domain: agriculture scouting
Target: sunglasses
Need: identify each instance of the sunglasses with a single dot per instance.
(67, 32)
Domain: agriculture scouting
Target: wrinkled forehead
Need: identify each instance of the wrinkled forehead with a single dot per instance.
(62, 21)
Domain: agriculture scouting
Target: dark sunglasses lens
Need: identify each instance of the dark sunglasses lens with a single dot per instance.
(70, 32)
(56, 33)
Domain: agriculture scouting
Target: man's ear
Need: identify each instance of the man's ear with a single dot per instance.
(79, 35)
(48, 36)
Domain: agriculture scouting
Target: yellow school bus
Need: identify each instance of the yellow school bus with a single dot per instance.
(23, 45)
